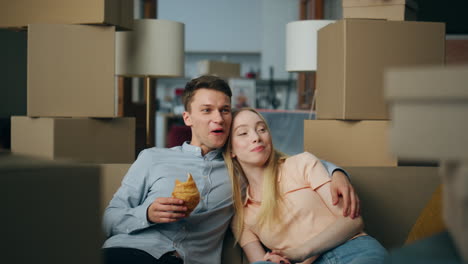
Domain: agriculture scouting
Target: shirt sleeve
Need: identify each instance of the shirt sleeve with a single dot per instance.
(311, 169)
(247, 236)
(330, 167)
(126, 212)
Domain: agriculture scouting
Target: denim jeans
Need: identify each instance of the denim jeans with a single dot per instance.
(361, 250)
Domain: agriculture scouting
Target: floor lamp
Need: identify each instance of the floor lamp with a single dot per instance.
(153, 49)
(301, 47)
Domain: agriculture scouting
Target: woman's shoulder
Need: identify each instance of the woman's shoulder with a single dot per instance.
(304, 157)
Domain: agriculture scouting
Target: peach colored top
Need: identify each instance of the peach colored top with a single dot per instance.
(304, 212)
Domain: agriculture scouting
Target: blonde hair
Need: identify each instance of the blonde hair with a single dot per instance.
(269, 209)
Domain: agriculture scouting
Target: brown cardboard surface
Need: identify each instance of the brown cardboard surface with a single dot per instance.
(21, 13)
(429, 131)
(51, 211)
(80, 139)
(219, 68)
(71, 71)
(349, 143)
(111, 178)
(423, 84)
(353, 54)
(392, 198)
(351, 3)
(390, 12)
(429, 108)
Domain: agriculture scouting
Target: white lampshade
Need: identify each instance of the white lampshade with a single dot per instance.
(154, 48)
(301, 44)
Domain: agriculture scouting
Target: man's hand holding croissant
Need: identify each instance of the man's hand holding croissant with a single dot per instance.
(166, 210)
(185, 197)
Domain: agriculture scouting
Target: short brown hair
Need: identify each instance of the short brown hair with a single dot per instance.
(206, 82)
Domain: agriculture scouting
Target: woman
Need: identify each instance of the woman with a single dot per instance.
(286, 205)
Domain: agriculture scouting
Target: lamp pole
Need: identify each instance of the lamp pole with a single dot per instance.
(149, 11)
(150, 112)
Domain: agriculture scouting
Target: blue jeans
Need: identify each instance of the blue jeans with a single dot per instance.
(361, 250)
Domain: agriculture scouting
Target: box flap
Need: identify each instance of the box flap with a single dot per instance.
(427, 83)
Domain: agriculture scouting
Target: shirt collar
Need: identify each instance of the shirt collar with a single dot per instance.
(249, 199)
(187, 147)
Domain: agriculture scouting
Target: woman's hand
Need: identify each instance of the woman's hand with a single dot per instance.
(293, 254)
(272, 257)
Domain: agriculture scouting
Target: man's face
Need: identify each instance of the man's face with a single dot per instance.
(210, 119)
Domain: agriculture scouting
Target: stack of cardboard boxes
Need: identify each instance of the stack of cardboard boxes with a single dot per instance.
(71, 115)
(353, 119)
(71, 99)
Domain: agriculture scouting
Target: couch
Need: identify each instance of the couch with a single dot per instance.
(392, 199)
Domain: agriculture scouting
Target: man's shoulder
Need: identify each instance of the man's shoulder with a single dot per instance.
(156, 153)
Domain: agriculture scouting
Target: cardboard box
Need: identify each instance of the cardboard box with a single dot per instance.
(51, 211)
(111, 179)
(80, 139)
(391, 12)
(71, 71)
(429, 109)
(349, 143)
(21, 13)
(397, 10)
(353, 54)
(393, 196)
(219, 68)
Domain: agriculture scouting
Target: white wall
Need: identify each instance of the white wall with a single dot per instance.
(216, 25)
(275, 15)
(236, 26)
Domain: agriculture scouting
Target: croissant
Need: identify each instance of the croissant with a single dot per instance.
(188, 192)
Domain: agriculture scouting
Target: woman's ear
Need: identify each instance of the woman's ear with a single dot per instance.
(233, 155)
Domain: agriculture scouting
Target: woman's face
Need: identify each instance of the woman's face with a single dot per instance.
(251, 140)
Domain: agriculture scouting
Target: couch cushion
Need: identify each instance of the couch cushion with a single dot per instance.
(392, 198)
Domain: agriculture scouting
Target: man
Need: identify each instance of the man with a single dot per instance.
(145, 225)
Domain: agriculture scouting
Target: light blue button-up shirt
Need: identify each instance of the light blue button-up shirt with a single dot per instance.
(197, 238)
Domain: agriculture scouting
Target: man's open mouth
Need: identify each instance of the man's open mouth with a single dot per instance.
(218, 131)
